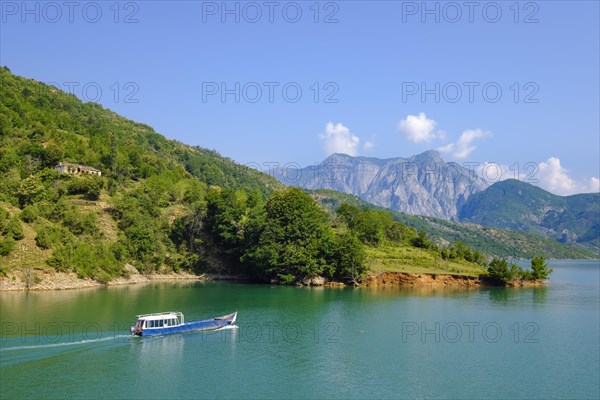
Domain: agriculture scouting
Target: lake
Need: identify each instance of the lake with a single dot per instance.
(309, 342)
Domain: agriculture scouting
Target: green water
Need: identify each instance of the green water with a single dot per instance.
(309, 342)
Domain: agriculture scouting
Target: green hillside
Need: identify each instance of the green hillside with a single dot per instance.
(93, 224)
(160, 205)
(517, 205)
(491, 241)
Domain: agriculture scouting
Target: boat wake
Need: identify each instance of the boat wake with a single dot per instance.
(62, 344)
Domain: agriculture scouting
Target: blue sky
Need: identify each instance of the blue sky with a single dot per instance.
(511, 83)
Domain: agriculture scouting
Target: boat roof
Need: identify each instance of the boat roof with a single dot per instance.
(168, 314)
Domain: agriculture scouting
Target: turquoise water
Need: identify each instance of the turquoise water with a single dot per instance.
(309, 342)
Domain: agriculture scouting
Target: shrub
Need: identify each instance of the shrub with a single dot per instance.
(80, 223)
(61, 259)
(30, 213)
(90, 186)
(7, 245)
(286, 279)
(15, 229)
(4, 216)
(53, 236)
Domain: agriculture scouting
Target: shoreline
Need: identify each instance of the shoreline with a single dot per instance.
(52, 280)
(409, 279)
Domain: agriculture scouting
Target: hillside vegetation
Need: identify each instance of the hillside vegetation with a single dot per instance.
(492, 241)
(160, 206)
(517, 205)
(97, 224)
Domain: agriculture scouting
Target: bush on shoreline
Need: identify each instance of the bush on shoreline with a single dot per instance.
(500, 271)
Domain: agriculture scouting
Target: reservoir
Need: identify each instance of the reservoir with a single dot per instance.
(309, 342)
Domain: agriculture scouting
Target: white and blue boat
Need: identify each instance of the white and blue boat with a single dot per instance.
(173, 322)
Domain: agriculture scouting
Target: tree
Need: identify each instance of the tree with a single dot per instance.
(540, 268)
(502, 272)
(31, 190)
(370, 226)
(421, 241)
(350, 258)
(349, 214)
(499, 270)
(226, 220)
(186, 230)
(290, 245)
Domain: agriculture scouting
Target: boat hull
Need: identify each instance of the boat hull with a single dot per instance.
(204, 325)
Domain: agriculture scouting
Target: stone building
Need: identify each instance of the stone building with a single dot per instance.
(76, 169)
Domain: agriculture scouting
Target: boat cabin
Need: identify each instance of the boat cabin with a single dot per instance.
(160, 320)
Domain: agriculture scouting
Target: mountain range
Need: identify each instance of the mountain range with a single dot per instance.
(516, 205)
(426, 185)
(150, 186)
(422, 185)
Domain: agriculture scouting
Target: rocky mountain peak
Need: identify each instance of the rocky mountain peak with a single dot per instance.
(423, 184)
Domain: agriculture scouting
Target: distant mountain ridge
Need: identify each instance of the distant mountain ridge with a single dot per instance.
(423, 184)
(512, 204)
(426, 185)
(491, 240)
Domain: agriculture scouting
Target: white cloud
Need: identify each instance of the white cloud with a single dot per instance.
(550, 175)
(419, 128)
(368, 145)
(447, 148)
(464, 145)
(555, 178)
(594, 185)
(338, 139)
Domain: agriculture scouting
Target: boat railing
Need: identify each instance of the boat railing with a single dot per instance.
(178, 314)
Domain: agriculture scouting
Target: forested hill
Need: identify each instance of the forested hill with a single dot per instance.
(125, 215)
(83, 189)
(487, 239)
(88, 191)
(43, 126)
(517, 205)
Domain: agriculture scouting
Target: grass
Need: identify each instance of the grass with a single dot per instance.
(391, 257)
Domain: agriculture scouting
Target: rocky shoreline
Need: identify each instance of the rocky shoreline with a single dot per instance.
(52, 280)
(405, 279)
